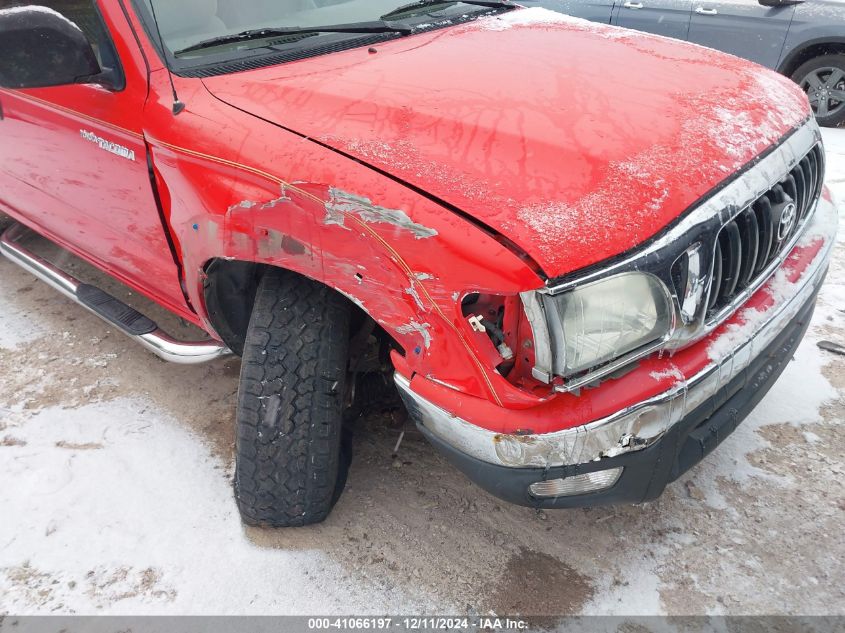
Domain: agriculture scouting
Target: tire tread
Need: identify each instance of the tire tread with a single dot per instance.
(289, 415)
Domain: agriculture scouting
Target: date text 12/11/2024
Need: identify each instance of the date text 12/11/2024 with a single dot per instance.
(487, 623)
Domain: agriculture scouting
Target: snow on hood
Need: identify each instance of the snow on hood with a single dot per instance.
(538, 16)
(576, 140)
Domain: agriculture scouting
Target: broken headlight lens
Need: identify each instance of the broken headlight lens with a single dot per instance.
(607, 320)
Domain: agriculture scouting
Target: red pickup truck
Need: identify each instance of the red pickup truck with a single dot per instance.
(582, 253)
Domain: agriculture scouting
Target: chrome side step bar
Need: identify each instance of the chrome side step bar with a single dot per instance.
(113, 311)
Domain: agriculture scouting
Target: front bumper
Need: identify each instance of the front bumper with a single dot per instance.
(656, 440)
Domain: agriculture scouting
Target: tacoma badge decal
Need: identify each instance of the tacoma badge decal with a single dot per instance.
(114, 148)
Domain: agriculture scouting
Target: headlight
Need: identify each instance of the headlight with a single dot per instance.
(605, 321)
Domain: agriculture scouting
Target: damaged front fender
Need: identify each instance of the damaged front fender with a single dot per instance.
(284, 201)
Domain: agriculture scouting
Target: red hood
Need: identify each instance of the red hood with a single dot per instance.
(577, 141)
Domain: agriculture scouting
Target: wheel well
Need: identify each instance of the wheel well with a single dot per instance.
(806, 54)
(229, 288)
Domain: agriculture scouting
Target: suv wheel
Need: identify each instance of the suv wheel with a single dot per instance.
(823, 79)
(290, 468)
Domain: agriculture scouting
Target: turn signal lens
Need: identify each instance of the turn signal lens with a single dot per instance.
(576, 485)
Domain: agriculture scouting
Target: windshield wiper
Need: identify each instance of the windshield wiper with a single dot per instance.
(424, 4)
(377, 26)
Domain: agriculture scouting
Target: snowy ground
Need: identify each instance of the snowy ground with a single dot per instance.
(116, 498)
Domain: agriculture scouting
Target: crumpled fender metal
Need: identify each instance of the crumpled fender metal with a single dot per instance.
(285, 201)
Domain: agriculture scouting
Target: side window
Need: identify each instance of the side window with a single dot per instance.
(83, 14)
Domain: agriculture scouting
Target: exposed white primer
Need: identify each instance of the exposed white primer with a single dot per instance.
(277, 201)
(343, 203)
(246, 204)
(412, 291)
(417, 328)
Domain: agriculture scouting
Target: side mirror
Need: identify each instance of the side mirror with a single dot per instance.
(39, 47)
(778, 3)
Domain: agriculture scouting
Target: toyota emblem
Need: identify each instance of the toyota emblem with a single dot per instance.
(787, 221)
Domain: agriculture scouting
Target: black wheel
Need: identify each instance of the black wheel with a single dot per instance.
(290, 468)
(823, 79)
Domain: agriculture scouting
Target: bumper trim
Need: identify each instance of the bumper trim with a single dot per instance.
(634, 429)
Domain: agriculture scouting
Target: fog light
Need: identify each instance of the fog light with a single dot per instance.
(576, 485)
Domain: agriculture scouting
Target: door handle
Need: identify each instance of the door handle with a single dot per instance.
(703, 11)
(633, 5)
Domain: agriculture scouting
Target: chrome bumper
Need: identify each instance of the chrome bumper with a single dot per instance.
(640, 426)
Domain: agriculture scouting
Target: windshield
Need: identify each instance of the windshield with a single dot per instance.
(185, 23)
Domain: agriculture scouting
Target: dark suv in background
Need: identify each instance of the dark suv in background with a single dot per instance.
(802, 39)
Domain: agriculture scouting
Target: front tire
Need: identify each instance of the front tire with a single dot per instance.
(823, 79)
(289, 469)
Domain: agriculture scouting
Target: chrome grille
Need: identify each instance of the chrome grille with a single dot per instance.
(747, 245)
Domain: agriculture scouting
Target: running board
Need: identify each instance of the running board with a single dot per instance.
(128, 320)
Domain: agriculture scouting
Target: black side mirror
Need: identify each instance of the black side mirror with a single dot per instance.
(778, 3)
(40, 47)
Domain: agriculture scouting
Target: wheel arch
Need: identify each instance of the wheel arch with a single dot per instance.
(810, 50)
(229, 287)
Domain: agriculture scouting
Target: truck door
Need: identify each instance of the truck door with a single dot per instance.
(743, 28)
(670, 18)
(73, 161)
